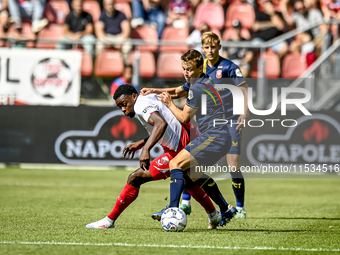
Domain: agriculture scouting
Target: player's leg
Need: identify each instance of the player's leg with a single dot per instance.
(186, 197)
(238, 184)
(126, 197)
(186, 202)
(207, 151)
(210, 187)
(237, 180)
(180, 163)
(200, 196)
(130, 191)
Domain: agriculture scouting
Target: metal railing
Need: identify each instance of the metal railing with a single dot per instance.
(261, 84)
(321, 79)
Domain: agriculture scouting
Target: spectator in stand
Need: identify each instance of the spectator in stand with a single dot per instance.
(27, 10)
(149, 10)
(331, 11)
(78, 27)
(240, 56)
(4, 21)
(194, 4)
(268, 25)
(313, 4)
(302, 18)
(113, 26)
(195, 37)
(303, 45)
(124, 79)
(179, 14)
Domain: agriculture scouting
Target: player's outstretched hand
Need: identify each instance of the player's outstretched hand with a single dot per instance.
(144, 160)
(165, 98)
(145, 91)
(241, 120)
(131, 149)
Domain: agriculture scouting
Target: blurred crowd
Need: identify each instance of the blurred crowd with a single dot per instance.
(97, 23)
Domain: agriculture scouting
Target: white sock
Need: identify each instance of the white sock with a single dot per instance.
(212, 214)
(109, 220)
(240, 208)
(186, 202)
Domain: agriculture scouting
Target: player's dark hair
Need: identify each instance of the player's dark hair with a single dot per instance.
(193, 56)
(128, 66)
(124, 89)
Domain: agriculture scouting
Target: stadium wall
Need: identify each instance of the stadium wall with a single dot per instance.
(89, 135)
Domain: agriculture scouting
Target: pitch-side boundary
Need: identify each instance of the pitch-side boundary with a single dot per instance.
(264, 248)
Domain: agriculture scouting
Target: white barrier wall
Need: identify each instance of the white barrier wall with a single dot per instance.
(39, 77)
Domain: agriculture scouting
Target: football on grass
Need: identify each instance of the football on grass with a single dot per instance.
(174, 219)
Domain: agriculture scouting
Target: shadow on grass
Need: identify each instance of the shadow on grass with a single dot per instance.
(268, 231)
(293, 218)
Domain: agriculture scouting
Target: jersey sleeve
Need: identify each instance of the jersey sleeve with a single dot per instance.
(89, 18)
(68, 20)
(102, 17)
(236, 75)
(186, 86)
(194, 98)
(146, 108)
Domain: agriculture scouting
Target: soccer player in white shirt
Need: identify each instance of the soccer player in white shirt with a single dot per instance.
(163, 128)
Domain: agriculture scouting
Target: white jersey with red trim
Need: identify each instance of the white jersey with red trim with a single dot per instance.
(145, 106)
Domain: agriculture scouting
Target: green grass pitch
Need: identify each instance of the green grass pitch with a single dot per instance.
(45, 212)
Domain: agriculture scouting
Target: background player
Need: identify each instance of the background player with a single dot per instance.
(218, 68)
(165, 129)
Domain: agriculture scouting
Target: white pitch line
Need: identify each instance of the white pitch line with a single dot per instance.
(36, 184)
(73, 185)
(174, 246)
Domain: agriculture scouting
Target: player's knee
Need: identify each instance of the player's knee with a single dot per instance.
(135, 178)
(233, 162)
(174, 165)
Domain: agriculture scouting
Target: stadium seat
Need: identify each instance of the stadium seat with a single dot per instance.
(176, 35)
(109, 63)
(243, 12)
(125, 8)
(56, 11)
(169, 65)
(217, 32)
(148, 34)
(86, 64)
(210, 13)
(51, 32)
(272, 66)
(93, 8)
(293, 65)
(227, 34)
(26, 33)
(147, 65)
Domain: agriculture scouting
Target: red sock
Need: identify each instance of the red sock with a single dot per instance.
(201, 197)
(125, 198)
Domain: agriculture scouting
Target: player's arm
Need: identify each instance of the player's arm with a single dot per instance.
(159, 127)
(99, 30)
(133, 147)
(183, 116)
(243, 118)
(174, 92)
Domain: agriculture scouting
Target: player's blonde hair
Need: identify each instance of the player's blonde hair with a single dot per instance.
(209, 37)
(193, 56)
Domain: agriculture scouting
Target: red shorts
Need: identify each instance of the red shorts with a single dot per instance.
(159, 167)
